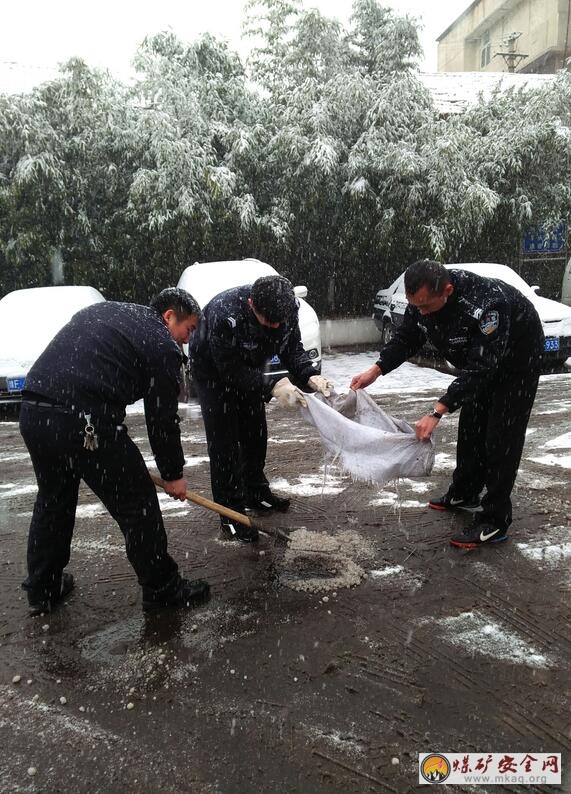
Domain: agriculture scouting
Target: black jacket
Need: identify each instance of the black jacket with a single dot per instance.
(231, 347)
(486, 327)
(108, 356)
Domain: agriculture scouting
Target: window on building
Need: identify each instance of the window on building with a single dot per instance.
(486, 49)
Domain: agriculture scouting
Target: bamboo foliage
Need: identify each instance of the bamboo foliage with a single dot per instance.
(322, 154)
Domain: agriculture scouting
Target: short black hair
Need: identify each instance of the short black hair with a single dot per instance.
(274, 298)
(179, 300)
(425, 273)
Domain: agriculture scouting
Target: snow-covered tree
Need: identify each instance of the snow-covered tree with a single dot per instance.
(323, 155)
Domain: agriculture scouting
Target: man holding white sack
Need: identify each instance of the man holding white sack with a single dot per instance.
(490, 332)
(241, 329)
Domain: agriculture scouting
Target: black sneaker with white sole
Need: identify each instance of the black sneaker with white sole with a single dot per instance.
(232, 530)
(266, 502)
(478, 534)
(447, 502)
(49, 601)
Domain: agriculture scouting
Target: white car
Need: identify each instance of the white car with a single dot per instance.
(390, 304)
(204, 280)
(566, 285)
(29, 320)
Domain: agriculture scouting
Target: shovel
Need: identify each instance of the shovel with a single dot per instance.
(277, 534)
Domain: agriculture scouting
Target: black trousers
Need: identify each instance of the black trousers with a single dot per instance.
(237, 438)
(491, 436)
(116, 473)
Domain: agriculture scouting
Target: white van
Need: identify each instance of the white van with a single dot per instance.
(566, 285)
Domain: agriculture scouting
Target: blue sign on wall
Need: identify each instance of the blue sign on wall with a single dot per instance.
(537, 240)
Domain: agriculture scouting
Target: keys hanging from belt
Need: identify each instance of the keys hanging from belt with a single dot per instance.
(90, 440)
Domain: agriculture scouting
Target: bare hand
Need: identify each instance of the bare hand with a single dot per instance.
(425, 427)
(366, 378)
(175, 488)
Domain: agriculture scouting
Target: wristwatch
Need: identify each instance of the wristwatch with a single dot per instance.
(436, 414)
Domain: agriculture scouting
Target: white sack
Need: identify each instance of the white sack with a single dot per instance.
(365, 441)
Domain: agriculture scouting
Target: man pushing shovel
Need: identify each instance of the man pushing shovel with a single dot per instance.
(108, 356)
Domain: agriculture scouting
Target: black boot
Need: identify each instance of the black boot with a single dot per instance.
(47, 603)
(232, 530)
(186, 595)
(265, 502)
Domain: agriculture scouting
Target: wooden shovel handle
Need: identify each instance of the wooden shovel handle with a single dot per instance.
(225, 511)
(209, 504)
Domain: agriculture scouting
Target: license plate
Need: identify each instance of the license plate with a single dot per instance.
(15, 384)
(552, 343)
(275, 360)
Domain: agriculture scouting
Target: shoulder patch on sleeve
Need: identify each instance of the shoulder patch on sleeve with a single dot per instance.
(231, 322)
(471, 308)
(490, 322)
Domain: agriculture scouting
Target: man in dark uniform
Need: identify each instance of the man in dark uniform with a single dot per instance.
(240, 330)
(73, 407)
(492, 333)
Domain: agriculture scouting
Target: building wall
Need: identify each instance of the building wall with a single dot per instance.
(472, 41)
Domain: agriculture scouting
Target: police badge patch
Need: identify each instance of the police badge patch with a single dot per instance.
(490, 322)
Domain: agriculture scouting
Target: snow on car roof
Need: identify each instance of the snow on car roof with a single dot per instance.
(30, 318)
(492, 270)
(204, 280)
(548, 310)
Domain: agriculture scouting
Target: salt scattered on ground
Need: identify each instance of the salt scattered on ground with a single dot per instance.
(417, 485)
(479, 635)
(395, 500)
(340, 741)
(19, 491)
(553, 460)
(90, 510)
(130, 665)
(315, 562)
(8, 457)
(309, 485)
(57, 721)
(444, 462)
(396, 574)
(197, 461)
(198, 437)
(550, 550)
(96, 546)
(533, 482)
(390, 570)
(166, 502)
(560, 407)
(485, 572)
(298, 439)
(561, 442)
